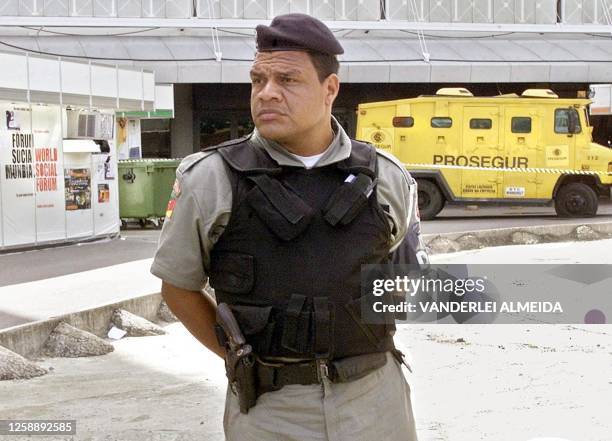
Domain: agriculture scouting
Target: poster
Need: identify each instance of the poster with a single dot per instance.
(104, 168)
(103, 193)
(128, 139)
(17, 175)
(49, 185)
(12, 120)
(104, 202)
(109, 170)
(46, 195)
(99, 170)
(77, 183)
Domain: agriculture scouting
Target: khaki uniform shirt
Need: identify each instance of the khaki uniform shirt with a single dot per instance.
(203, 203)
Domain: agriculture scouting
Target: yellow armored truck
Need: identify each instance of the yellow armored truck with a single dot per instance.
(532, 149)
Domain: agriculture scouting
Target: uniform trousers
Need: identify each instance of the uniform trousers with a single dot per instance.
(375, 407)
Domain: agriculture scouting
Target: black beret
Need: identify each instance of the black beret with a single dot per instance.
(297, 32)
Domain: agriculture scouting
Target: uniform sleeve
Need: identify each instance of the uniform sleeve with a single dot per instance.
(179, 259)
(398, 190)
(413, 238)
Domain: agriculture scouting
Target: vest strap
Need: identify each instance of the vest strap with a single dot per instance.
(284, 212)
(292, 207)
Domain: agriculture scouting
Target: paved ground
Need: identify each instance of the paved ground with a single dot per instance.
(46, 298)
(28, 266)
(40, 284)
(595, 252)
(502, 383)
(455, 219)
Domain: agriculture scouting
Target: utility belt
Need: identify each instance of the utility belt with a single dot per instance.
(274, 376)
(251, 376)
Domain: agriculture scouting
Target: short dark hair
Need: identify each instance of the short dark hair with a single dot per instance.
(325, 64)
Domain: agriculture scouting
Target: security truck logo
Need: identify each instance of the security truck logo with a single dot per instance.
(378, 137)
(557, 156)
(482, 161)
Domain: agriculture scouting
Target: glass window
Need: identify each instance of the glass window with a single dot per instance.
(441, 123)
(155, 138)
(521, 124)
(562, 117)
(481, 123)
(403, 121)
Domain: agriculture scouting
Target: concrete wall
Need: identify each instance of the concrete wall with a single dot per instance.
(28, 339)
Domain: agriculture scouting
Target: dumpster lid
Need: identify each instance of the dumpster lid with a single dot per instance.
(80, 146)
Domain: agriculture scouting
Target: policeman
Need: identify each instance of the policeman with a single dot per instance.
(280, 223)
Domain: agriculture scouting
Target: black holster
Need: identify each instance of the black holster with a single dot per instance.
(240, 370)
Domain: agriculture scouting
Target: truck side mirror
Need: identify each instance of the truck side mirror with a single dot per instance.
(572, 124)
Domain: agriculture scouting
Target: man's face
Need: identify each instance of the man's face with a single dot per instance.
(287, 98)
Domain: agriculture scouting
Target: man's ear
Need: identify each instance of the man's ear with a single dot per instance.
(332, 87)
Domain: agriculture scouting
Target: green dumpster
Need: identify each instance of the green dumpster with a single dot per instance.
(145, 186)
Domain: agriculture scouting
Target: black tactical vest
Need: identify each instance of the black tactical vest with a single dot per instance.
(289, 260)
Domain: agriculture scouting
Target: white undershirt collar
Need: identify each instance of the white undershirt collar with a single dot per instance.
(309, 161)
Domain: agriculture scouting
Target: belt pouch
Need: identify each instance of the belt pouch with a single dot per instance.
(323, 327)
(296, 326)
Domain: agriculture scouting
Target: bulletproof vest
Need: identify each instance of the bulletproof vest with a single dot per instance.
(289, 260)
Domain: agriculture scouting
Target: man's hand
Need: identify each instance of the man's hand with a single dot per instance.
(197, 312)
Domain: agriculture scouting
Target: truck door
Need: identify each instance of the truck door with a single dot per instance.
(481, 148)
(558, 150)
(521, 136)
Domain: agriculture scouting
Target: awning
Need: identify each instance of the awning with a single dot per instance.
(369, 57)
(80, 146)
(164, 105)
(55, 80)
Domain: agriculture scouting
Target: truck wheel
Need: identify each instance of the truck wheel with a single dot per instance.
(431, 200)
(576, 200)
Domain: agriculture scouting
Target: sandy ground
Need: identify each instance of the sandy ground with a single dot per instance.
(469, 382)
